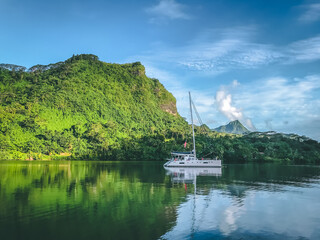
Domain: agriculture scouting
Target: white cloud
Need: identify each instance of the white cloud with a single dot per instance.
(224, 103)
(305, 50)
(311, 13)
(169, 9)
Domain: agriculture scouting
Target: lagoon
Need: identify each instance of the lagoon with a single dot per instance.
(141, 200)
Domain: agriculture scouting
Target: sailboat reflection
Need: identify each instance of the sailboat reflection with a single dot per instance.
(189, 175)
(190, 213)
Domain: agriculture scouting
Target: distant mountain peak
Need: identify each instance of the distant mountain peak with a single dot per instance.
(235, 122)
(234, 127)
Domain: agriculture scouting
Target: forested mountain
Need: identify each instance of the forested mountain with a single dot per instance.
(83, 108)
(233, 127)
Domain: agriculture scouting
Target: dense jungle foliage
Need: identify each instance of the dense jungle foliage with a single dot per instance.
(87, 109)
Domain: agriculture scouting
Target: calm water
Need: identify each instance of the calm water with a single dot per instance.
(136, 200)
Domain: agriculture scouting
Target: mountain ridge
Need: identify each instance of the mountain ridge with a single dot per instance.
(234, 127)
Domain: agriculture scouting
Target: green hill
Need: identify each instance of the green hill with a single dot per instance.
(234, 127)
(85, 108)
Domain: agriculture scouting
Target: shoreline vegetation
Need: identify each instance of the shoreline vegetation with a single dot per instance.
(85, 109)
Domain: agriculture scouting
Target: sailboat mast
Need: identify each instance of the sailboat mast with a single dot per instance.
(194, 143)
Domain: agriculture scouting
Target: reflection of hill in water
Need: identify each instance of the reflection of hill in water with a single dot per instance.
(100, 200)
(106, 200)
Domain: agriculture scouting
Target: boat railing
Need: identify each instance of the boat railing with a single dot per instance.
(207, 159)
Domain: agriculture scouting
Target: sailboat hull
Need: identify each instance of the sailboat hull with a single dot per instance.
(194, 163)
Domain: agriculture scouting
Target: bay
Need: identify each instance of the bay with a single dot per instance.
(142, 200)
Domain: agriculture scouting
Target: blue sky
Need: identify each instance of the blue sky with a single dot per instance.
(256, 61)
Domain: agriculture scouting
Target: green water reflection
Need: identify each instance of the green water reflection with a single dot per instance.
(133, 200)
(81, 200)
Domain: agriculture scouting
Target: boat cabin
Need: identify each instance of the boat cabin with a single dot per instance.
(183, 156)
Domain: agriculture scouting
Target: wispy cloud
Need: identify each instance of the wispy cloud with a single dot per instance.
(220, 51)
(311, 13)
(281, 94)
(230, 49)
(285, 102)
(230, 54)
(168, 9)
(239, 51)
(304, 50)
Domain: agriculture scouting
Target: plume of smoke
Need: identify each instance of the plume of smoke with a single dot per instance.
(223, 101)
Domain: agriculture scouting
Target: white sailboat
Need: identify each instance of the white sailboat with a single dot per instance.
(189, 159)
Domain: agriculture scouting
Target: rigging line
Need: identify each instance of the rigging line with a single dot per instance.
(199, 118)
(204, 130)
